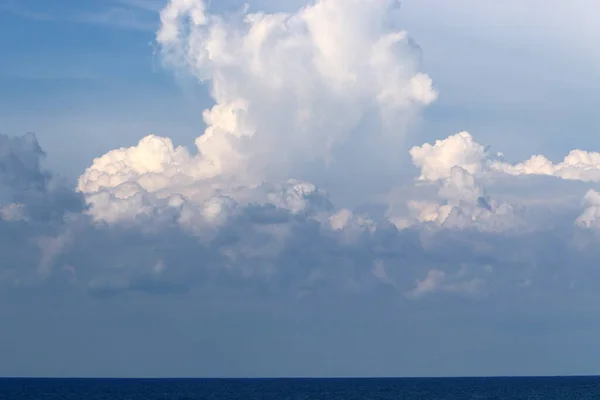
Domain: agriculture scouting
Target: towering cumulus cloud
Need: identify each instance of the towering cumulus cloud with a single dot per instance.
(330, 87)
(291, 92)
(289, 88)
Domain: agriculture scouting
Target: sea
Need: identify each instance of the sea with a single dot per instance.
(555, 388)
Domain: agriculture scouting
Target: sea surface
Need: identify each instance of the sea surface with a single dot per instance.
(578, 388)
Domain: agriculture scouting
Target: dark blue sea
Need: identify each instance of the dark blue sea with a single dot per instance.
(579, 388)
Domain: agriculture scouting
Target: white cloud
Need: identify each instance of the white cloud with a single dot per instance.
(438, 281)
(121, 14)
(288, 99)
(287, 96)
(437, 161)
(281, 84)
(285, 235)
(462, 203)
(590, 218)
(455, 166)
(577, 165)
(464, 167)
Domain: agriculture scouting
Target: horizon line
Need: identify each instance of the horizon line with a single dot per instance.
(300, 377)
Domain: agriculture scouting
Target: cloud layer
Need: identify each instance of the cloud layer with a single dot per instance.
(329, 90)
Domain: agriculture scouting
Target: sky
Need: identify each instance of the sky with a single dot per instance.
(295, 188)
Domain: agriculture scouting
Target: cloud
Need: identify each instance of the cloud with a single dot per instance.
(278, 80)
(591, 213)
(146, 5)
(117, 17)
(439, 281)
(33, 207)
(240, 210)
(281, 240)
(20, 166)
(438, 160)
(26, 189)
(280, 87)
(274, 238)
(465, 172)
(454, 166)
(17, 9)
(137, 15)
(577, 165)
(463, 204)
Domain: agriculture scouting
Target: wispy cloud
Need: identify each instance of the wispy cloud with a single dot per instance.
(12, 7)
(147, 5)
(136, 15)
(118, 17)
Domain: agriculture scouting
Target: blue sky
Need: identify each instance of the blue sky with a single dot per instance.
(315, 228)
(86, 85)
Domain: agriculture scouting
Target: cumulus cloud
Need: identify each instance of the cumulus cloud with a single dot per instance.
(290, 237)
(577, 165)
(282, 82)
(286, 233)
(286, 95)
(465, 172)
(454, 166)
(331, 87)
(438, 160)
